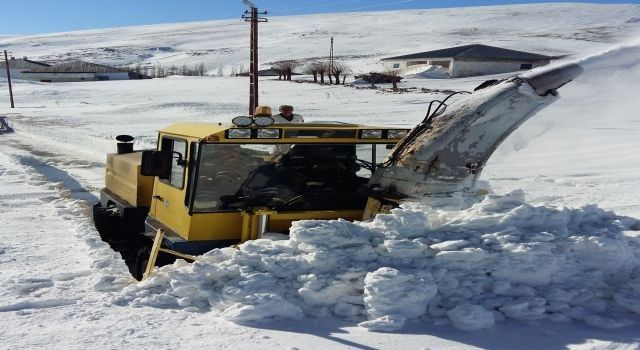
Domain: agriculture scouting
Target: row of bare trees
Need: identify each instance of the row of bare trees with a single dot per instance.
(333, 72)
(160, 71)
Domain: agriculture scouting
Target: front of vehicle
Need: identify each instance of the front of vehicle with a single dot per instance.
(230, 184)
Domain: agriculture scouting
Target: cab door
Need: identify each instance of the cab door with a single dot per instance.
(168, 205)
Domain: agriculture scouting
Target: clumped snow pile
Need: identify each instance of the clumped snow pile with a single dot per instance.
(499, 258)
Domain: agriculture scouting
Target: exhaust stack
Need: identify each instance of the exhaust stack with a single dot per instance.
(125, 144)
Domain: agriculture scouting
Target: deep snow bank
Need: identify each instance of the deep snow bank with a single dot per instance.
(499, 257)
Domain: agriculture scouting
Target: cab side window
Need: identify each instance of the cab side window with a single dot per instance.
(179, 149)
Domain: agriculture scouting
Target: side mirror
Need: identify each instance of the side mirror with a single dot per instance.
(156, 163)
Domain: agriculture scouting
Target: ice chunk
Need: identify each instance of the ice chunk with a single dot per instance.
(387, 323)
(628, 300)
(332, 234)
(391, 292)
(470, 317)
(524, 308)
(262, 307)
(450, 245)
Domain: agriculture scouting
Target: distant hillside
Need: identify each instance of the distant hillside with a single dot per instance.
(361, 39)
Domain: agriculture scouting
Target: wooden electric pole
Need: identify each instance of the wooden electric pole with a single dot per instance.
(331, 57)
(6, 60)
(251, 15)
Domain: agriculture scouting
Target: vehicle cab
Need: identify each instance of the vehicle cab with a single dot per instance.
(216, 185)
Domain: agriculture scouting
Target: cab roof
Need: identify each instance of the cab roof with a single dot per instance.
(202, 130)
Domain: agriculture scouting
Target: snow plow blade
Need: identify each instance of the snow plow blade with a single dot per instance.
(448, 150)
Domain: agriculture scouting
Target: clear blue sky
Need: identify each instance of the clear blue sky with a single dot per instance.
(40, 16)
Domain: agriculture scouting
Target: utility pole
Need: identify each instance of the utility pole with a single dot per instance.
(251, 15)
(331, 60)
(6, 60)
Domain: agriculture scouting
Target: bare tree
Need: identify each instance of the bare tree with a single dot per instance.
(313, 68)
(160, 71)
(285, 68)
(323, 68)
(338, 69)
(201, 69)
(393, 75)
(220, 72)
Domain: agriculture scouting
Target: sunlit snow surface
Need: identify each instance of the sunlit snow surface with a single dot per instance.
(550, 253)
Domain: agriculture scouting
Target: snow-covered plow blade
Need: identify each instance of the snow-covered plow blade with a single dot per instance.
(4, 126)
(447, 151)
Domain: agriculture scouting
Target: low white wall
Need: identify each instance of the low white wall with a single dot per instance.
(389, 65)
(58, 77)
(71, 77)
(15, 73)
(461, 68)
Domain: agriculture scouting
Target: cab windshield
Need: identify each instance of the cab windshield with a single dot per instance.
(284, 177)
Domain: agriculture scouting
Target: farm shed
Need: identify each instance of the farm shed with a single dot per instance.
(75, 71)
(469, 60)
(19, 65)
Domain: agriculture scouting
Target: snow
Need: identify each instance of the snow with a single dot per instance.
(495, 265)
(471, 317)
(548, 259)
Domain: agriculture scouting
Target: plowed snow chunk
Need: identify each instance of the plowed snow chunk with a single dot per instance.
(525, 308)
(471, 317)
(388, 323)
(314, 235)
(261, 307)
(391, 292)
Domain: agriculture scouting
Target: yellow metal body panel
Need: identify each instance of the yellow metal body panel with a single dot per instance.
(123, 179)
(229, 225)
(168, 208)
(168, 203)
(214, 226)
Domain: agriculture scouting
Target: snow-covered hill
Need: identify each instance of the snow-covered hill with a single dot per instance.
(361, 39)
(551, 259)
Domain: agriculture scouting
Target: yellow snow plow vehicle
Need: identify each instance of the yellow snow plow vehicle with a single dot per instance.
(211, 185)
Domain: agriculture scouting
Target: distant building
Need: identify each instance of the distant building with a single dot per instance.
(470, 60)
(17, 66)
(76, 71)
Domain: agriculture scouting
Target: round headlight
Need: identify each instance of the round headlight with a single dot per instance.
(242, 121)
(263, 121)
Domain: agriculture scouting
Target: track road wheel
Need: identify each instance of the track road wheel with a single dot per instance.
(138, 268)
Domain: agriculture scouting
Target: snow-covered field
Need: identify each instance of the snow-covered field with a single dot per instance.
(550, 260)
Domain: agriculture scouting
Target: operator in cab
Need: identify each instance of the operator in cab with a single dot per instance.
(287, 116)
